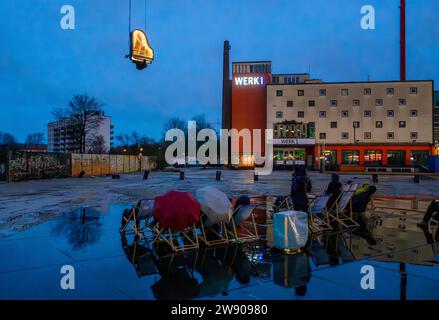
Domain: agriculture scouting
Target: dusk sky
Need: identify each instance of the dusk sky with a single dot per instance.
(42, 65)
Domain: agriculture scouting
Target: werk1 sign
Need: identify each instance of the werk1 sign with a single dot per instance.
(141, 52)
(249, 81)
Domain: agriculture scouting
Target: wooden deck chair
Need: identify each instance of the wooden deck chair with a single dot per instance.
(218, 230)
(178, 241)
(318, 215)
(136, 215)
(241, 228)
(343, 207)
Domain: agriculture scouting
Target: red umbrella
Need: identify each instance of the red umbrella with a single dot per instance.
(176, 210)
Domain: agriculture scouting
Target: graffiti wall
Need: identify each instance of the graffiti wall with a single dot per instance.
(103, 164)
(26, 166)
(21, 166)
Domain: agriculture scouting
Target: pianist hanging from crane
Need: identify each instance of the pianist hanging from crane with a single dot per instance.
(141, 52)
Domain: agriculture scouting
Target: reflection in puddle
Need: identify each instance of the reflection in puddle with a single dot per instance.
(220, 271)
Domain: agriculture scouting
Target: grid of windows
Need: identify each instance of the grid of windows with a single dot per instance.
(311, 103)
(290, 103)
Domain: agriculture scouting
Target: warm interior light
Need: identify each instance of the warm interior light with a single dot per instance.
(141, 51)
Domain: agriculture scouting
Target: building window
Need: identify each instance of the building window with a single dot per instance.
(279, 93)
(279, 114)
(344, 92)
(322, 135)
(413, 135)
(300, 92)
(367, 135)
(390, 91)
(355, 103)
(367, 113)
(413, 90)
(345, 135)
(344, 114)
(379, 102)
(333, 124)
(290, 103)
(390, 135)
(322, 92)
(300, 114)
(402, 124)
(311, 103)
(413, 113)
(373, 158)
(333, 103)
(350, 157)
(367, 92)
(390, 113)
(322, 114)
(396, 158)
(402, 102)
(356, 124)
(379, 124)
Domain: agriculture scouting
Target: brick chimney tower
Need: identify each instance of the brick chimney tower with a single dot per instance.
(227, 89)
(402, 45)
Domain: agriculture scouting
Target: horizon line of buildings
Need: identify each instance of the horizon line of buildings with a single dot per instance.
(348, 126)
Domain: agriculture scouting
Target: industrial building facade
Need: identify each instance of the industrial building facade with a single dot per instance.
(347, 126)
(352, 126)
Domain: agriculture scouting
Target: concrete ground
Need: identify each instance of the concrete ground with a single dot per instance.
(43, 230)
(25, 204)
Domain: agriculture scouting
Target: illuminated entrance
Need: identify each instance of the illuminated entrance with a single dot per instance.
(289, 156)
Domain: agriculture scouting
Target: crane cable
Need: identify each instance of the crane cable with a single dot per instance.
(129, 16)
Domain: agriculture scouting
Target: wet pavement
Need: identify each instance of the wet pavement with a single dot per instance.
(27, 204)
(111, 265)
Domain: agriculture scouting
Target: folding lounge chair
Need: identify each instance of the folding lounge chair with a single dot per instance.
(141, 211)
(240, 228)
(178, 240)
(343, 204)
(319, 218)
(217, 230)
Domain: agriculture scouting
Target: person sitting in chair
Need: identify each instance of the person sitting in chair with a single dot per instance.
(432, 212)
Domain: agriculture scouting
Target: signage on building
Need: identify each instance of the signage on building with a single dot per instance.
(249, 81)
(294, 141)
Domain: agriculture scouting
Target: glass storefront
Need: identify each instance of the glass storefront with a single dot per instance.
(396, 158)
(350, 157)
(289, 156)
(373, 158)
(419, 158)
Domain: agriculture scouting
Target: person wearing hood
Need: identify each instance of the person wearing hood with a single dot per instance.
(333, 190)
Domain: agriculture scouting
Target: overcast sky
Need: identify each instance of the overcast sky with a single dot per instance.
(42, 66)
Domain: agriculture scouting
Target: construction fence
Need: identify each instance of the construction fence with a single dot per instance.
(22, 166)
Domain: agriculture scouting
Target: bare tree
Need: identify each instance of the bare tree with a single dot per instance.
(174, 123)
(35, 138)
(98, 145)
(124, 140)
(7, 139)
(83, 115)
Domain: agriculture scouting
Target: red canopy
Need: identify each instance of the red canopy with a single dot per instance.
(176, 210)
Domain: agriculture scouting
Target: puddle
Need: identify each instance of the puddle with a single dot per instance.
(328, 268)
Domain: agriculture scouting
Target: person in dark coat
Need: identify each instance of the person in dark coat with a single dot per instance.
(300, 171)
(361, 200)
(333, 190)
(299, 195)
(432, 211)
